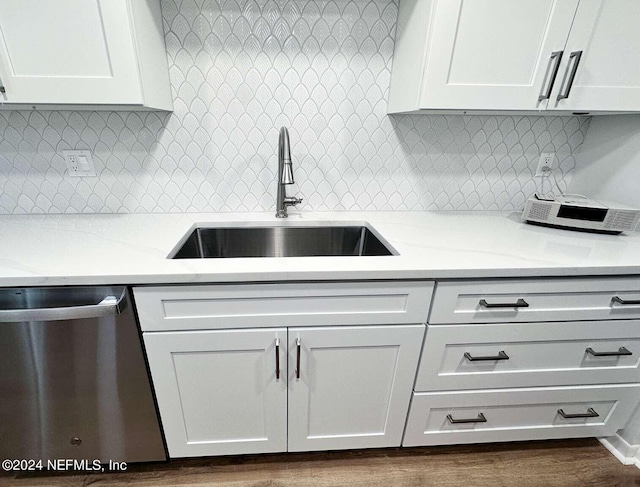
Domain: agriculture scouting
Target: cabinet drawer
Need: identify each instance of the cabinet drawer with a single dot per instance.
(529, 354)
(518, 414)
(289, 304)
(518, 300)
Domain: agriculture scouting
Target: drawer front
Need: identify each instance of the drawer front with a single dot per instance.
(290, 304)
(518, 414)
(520, 300)
(530, 354)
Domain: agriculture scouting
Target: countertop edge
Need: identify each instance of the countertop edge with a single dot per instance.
(132, 249)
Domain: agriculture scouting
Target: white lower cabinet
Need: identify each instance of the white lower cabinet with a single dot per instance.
(218, 391)
(527, 359)
(501, 355)
(293, 367)
(224, 392)
(535, 300)
(350, 387)
(208, 307)
(440, 418)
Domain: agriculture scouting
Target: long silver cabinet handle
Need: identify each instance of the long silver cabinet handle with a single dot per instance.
(591, 413)
(621, 351)
(627, 302)
(557, 57)
(298, 347)
(576, 55)
(501, 356)
(110, 305)
(479, 419)
(520, 303)
(277, 359)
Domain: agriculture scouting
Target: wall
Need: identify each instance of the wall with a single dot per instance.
(240, 69)
(608, 163)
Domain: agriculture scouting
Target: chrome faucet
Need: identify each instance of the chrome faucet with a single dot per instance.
(285, 175)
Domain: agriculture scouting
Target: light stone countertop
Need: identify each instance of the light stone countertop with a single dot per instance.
(38, 250)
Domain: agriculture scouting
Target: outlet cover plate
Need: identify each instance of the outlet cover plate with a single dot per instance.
(79, 163)
(545, 164)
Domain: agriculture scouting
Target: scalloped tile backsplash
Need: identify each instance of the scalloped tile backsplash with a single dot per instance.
(239, 70)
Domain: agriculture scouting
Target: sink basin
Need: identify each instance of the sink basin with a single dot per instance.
(281, 241)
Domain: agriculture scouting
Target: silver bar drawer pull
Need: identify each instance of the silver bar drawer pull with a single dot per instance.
(501, 356)
(520, 303)
(621, 351)
(557, 56)
(591, 413)
(479, 419)
(628, 302)
(277, 359)
(298, 346)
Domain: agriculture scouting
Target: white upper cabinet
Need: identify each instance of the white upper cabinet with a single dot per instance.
(604, 52)
(516, 55)
(106, 53)
(477, 55)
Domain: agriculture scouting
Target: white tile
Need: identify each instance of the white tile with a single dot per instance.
(240, 69)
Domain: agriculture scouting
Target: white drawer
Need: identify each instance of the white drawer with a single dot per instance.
(518, 414)
(519, 300)
(289, 304)
(529, 354)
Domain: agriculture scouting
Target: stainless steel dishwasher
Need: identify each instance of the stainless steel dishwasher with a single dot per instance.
(73, 380)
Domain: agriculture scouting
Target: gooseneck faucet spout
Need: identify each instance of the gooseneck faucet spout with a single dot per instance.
(285, 175)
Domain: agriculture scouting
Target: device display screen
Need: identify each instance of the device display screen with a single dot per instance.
(582, 213)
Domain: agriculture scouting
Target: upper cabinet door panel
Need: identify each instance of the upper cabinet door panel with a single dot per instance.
(494, 54)
(607, 74)
(68, 51)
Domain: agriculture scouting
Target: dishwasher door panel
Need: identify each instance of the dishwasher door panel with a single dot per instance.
(75, 389)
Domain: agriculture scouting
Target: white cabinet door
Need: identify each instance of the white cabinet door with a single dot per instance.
(349, 387)
(218, 391)
(494, 54)
(71, 51)
(606, 36)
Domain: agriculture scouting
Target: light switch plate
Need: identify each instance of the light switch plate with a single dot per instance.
(79, 163)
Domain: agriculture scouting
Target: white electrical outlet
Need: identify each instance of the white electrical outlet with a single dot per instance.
(79, 163)
(545, 164)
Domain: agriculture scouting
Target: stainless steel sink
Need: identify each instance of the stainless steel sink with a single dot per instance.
(281, 241)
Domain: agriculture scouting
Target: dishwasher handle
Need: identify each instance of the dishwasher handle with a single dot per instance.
(110, 305)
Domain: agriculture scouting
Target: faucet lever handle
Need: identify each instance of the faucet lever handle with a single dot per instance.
(292, 201)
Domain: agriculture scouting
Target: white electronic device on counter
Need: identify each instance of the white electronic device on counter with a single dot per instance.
(577, 212)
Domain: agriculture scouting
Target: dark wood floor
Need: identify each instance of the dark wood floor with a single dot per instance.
(575, 463)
